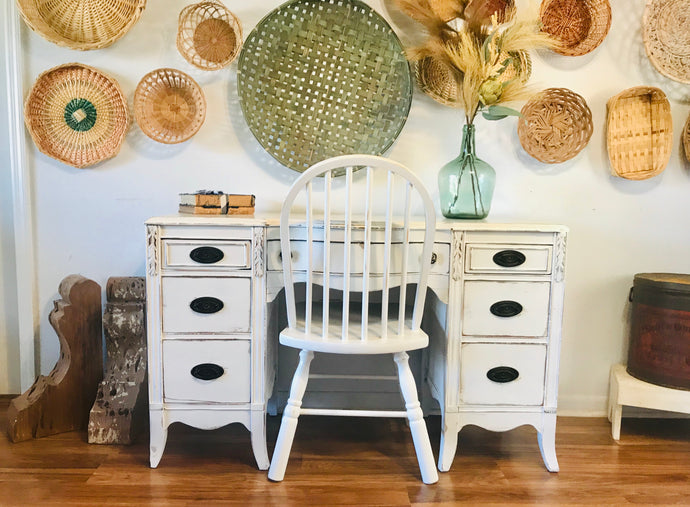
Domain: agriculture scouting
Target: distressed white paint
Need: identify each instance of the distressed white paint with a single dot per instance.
(617, 227)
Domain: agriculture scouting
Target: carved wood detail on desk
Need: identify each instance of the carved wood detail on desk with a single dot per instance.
(120, 412)
(60, 402)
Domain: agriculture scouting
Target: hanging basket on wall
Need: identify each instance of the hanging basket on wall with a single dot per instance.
(169, 106)
(556, 124)
(209, 36)
(77, 115)
(667, 37)
(639, 132)
(579, 26)
(81, 24)
(686, 139)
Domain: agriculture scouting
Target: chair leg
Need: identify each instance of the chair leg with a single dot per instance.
(288, 425)
(420, 436)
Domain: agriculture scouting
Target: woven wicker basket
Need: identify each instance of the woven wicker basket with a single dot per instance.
(667, 37)
(686, 139)
(81, 24)
(438, 81)
(209, 36)
(556, 124)
(77, 115)
(578, 25)
(639, 134)
(169, 106)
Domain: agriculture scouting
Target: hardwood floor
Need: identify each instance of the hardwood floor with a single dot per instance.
(340, 461)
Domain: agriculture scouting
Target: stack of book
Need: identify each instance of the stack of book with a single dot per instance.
(240, 204)
(208, 202)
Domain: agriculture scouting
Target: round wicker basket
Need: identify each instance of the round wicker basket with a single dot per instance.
(639, 132)
(169, 106)
(686, 139)
(77, 115)
(578, 25)
(209, 36)
(667, 37)
(439, 83)
(81, 24)
(556, 124)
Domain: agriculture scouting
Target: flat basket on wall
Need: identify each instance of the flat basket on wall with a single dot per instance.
(579, 26)
(169, 106)
(556, 124)
(81, 24)
(77, 115)
(639, 132)
(686, 139)
(319, 78)
(667, 37)
(209, 36)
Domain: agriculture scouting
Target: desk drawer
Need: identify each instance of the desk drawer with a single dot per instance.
(504, 308)
(180, 253)
(206, 304)
(483, 258)
(206, 371)
(492, 374)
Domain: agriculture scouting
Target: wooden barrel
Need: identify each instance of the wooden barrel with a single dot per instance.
(659, 350)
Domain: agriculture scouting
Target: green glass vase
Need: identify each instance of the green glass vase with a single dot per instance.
(466, 183)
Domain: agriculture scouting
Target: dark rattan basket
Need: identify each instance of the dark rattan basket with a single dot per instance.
(578, 25)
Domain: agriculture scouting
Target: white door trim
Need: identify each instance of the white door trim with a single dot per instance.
(27, 307)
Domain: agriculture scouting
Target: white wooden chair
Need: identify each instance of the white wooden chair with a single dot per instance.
(375, 260)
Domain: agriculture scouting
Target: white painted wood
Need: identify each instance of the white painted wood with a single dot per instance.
(236, 254)
(480, 259)
(178, 293)
(479, 358)
(626, 390)
(180, 356)
(531, 321)
(25, 260)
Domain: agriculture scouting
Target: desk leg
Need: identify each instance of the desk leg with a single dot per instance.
(450, 423)
(547, 442)
(258, 431)
(159, 436)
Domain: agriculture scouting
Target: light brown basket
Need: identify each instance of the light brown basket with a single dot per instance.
(76, 114)
(169, 106)
(556, 125)
(667, 37)
(686, 139)
(81, 24)
(209, 36)
(639, 134)
(438, 81)
(579, 26)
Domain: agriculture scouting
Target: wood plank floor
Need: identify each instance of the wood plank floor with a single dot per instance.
(341, 461)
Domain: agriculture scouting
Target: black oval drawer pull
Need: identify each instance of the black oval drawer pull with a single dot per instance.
(509, 258)
(434, 258)
(206, 255)
(206, 304)
(506, 308)
(207, 371)
(502, 374)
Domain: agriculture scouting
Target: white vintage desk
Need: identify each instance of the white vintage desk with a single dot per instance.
(494, 319)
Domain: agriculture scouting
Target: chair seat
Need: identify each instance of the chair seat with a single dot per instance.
(395, 341)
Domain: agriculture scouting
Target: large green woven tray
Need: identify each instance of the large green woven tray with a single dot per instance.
(319, 78)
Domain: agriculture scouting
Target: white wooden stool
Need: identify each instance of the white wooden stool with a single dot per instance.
(625, 389)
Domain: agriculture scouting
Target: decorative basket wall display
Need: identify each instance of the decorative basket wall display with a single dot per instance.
(556, 124)
(209, 36)
(438, 82)
(77, 115)
(169, 106)
(580, 26)
(667, 37)
(81, 24)
(639, 134)
(686, 139)
(319, 78)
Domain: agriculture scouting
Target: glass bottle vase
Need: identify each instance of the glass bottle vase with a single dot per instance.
(466, 183)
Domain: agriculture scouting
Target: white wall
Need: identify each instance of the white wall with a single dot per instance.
(90, 221)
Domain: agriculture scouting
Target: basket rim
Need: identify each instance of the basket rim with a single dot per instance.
(686, 138)
(29, 122)
(137, 101)
(590, 42)
(611, 105)
(45, 30)
(648, 43)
